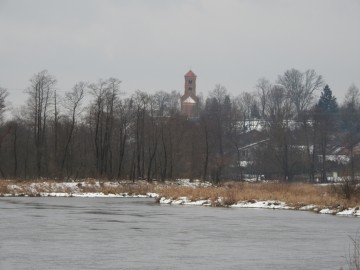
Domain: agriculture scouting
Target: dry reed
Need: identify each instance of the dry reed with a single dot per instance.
(295, 195)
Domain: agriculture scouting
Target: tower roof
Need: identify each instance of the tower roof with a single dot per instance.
(190, 74)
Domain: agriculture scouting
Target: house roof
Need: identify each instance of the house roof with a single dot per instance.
(190, 74)
(189, 100)
(251, 145)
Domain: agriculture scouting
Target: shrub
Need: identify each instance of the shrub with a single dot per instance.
(347, 189)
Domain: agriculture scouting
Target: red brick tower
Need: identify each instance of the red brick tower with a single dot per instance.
(189, 101)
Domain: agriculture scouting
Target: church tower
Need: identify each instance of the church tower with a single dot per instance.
(189, 101)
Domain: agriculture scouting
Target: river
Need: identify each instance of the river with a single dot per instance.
(122, 233)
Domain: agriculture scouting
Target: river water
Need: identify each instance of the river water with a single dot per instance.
(123, 233)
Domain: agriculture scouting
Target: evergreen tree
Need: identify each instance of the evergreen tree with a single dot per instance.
(327, 102)
(325, 119)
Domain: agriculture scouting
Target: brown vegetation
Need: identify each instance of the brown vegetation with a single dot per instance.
(34, 188)
(111, 188)
(295, 195)
(3, 187)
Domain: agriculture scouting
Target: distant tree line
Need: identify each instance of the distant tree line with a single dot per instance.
(94, 130)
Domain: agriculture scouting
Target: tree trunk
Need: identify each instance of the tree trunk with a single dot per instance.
(206, 161)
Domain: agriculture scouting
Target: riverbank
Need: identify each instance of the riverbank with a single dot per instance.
(86, 188)
(325, 199)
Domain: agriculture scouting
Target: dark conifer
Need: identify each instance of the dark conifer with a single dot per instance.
(327, 102)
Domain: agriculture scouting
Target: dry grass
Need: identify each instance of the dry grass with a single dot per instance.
(295, 195)
(34, 188)
(25, 187)
(4, 187)
(138, 189)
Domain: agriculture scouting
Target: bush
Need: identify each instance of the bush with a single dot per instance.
(348, 188)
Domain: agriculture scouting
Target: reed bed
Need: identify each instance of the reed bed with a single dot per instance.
(3, 187)
(116, 188)
(294, 195)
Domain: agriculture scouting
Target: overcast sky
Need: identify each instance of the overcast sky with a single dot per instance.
(151, 44)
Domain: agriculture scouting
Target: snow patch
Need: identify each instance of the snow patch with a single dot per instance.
(94, 195)
(308, 207)
(347, 212)
(184, 201)
(327, 211)
(163, 200)
(69, 189)
(192, 183)
(261, 204)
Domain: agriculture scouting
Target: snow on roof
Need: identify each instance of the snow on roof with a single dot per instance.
(253, 144)
(189, 100)
(339, 159)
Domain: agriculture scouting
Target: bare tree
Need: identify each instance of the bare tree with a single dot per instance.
(125, 115)
(279, 113)
(300, 87)
(106, 93)
(72, 103)
(56, 129)
(141, 103)
(352, 97)
(350, 113)
(152, 134)
(111, 100)
(263, 88)
(3, 95)
(218, 93)
(247, 108)
(40, 93)
(216, 108)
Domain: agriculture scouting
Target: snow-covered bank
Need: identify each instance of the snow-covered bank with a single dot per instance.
(184, 201)
(84, 195)
(264, 205)
(88, 189)
(92, 188)
(346, 212)
(185, 192)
